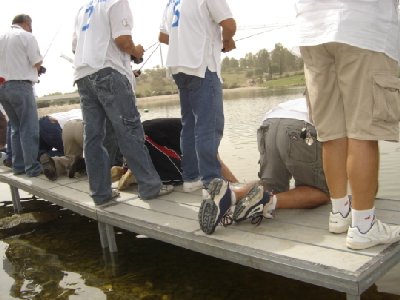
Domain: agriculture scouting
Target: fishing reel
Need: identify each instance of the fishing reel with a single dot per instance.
(42, 70)
(136, 60)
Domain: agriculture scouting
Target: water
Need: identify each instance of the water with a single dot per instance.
(61, 258)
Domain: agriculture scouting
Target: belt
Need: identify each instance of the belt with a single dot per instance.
(26, 81)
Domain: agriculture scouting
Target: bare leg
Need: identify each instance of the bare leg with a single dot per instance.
(334, 161)
(363, 167)
(226, 172)
(301, 197)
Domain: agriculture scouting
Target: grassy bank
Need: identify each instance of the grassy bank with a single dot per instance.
(233, 83)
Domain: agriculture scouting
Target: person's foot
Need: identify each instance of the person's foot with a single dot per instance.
(191, 186)
(254, 206)
(338, 223)
(78, 166)
(216, 206)
(111, 202)
(49, 167)
(126, 180)
(116, 173)
(164, 190)
(8, 163)
(379, 233)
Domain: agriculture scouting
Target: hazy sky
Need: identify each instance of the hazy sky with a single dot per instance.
(261, 24)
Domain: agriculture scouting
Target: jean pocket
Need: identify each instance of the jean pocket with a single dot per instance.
(386, 102)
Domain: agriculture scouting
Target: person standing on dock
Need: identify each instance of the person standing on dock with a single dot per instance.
(20, 62)
(103, 46)
(192, 29)
(351, 53)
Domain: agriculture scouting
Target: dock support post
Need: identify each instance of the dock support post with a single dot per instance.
(16, 200)
(107, 237)
(352, 297)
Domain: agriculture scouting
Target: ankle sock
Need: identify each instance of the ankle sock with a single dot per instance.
(341, 205)
(362, 219)
(233, 198)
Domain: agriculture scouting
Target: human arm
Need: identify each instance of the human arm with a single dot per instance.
(163, 38)
(121, 21)
(226, 172)
(228, 31)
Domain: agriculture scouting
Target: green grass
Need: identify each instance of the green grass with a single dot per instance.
(289, 81)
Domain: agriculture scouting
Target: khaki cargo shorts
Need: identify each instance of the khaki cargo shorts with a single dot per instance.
(284, 155)
(352, 92)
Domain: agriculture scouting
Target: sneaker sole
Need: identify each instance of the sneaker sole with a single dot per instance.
(207, 216)
(241, 206)
(360, 246)
(47, 165)
(337, 229)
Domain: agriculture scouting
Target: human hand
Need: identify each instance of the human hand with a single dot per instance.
(228, 45)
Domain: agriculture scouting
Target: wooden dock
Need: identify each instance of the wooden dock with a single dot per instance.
(296, 244)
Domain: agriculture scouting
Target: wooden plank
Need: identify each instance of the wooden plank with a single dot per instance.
(295, 244)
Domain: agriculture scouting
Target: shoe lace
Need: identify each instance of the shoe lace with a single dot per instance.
(227, 219)
(257, 219)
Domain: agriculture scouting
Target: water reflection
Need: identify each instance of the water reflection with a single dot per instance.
(63, 260)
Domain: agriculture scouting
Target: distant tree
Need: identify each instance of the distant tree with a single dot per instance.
(262, 60)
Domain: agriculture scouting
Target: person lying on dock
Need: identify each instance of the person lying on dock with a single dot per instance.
(162, 139)
(288, 149)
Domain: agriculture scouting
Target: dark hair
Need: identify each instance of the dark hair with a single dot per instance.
(19, 19)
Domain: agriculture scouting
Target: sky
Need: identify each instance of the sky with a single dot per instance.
(261, 24)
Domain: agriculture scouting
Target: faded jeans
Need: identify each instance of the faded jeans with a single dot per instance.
(108, 94)
(19, 103)
(202, 125)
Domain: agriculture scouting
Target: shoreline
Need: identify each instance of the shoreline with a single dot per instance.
(64, 102)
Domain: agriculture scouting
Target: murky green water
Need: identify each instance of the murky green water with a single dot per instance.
(60, 257)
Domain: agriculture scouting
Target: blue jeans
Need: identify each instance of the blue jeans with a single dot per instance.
(19, 103)
(202, 125)
(8, 142)
(108, 94)
(50, 137)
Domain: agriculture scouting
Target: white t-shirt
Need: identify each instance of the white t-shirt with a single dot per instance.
(65, 116)
(291, 109)
(97, 24)
(195, 40)
(19, 52)
(366, 24)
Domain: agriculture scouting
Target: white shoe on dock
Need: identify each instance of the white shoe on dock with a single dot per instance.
(192, 186)
(338, 223)
(379, 233)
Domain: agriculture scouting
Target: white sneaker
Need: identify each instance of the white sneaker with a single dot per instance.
(192, 186)
(379, 233)
(338, 223)
(166, 189)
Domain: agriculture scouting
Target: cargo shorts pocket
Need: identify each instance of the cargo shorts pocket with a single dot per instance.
(261, 135)
(386, 93)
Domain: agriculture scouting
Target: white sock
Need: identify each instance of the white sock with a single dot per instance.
(362, 219)
(273, 202)
(341, 205)
(233, 198)
(270, 207)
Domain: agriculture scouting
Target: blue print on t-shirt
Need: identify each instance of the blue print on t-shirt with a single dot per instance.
(88, 11)
(177, 14)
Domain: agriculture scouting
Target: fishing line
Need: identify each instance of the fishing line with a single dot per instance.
(52, 41)
(262, 32)
(151, 54)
